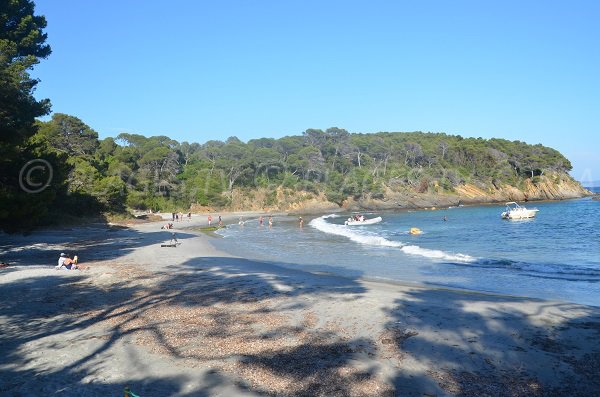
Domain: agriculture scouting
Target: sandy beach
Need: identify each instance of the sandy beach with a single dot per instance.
(194, 321)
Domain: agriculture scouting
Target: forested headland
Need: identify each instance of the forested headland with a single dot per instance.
(57, 168)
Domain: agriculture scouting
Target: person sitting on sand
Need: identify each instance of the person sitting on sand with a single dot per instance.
(65, 262)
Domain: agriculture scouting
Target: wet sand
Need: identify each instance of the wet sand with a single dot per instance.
(192, 320)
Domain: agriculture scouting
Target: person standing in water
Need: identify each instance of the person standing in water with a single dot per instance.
(260, 220)
(209, 220)
(301, 221)
(270, 221)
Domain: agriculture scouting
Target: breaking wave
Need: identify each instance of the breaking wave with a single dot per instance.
(372, 239)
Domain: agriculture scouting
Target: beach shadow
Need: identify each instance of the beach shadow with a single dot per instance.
(264, 278)
(321, 366)
(67, 382)
(224, 298)
(483, 345)
(91, 243)
(39, 308)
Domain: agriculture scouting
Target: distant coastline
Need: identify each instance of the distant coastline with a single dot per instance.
(594, 188)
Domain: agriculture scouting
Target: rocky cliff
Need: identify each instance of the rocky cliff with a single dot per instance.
(551, 187)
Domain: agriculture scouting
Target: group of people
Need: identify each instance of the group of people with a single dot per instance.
(178, 216)
(357, 218)
(210, 219)
(66, 263)
(261, 221)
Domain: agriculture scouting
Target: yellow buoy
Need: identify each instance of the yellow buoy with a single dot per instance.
(415, 230)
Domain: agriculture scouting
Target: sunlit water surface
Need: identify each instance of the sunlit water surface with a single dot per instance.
(553, 256)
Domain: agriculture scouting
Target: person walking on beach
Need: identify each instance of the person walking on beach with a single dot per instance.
(220, 221)
(173, 215)
(209, 220)
(189, 216)
(177, 217)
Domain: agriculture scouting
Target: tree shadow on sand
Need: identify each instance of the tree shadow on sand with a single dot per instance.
(211, 313)
(482, 345)
(234, 326)
(91, 243)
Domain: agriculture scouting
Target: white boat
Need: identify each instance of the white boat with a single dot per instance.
(353, 222)
(515, 211)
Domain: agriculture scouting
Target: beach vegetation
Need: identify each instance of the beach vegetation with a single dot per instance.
(160, 174)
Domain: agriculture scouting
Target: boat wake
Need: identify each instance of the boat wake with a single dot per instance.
(369, 238)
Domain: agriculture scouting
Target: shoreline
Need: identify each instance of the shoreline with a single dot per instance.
(316, 211)
(234, 215)
(230, 219)
(195, 320)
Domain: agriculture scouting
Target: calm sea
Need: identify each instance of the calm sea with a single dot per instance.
(553, 256)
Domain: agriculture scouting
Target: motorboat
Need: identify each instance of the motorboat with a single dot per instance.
(515, 211)
(364, 221)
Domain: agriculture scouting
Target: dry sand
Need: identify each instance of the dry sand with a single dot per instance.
(193, 321)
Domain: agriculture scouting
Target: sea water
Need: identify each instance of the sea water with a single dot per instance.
(555, 255)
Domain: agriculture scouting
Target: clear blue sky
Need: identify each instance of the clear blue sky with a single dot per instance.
(200, 70)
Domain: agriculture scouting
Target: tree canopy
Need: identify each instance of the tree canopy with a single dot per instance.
(22, 45)
(162, 174)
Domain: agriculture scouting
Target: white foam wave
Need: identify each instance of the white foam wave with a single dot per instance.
(362, 237)
(436, 254)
